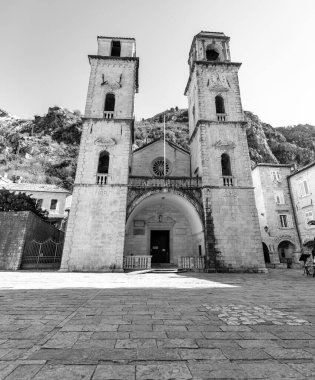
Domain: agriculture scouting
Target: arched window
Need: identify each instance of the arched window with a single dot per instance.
(103, 163)
(109, 103)
(219, 104)
(226, 165)
(212, 55)
(115, 49)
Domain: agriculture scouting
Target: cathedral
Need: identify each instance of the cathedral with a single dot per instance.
(160, 204)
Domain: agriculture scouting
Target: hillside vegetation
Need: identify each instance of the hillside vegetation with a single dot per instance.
(44, 150)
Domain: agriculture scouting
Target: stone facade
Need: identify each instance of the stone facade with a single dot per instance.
(217, 133)
(124, 203)
(276, 215)
(302, 186)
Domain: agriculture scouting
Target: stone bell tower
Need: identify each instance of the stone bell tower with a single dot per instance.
(96, 228)
(219, 154)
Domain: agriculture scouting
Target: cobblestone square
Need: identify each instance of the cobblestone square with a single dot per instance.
(157, 326)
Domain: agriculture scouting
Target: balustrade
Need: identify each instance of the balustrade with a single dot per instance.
(221, 117)
(175, 182)
(191, 262)
(227, 180)
(108, 114)
(101, 179)
(137, 262)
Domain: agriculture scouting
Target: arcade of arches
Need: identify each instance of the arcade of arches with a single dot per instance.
(165, 226)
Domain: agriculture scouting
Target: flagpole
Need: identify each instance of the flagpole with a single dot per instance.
(164, 149)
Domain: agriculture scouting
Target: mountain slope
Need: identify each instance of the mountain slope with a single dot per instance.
(44, 150)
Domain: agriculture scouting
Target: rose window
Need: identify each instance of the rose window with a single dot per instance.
(158, 167)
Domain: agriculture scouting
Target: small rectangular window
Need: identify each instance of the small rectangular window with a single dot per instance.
(53, 204)
(308, 217)
(279, 197)
(39, 203)
(275, 175)
(303, 188)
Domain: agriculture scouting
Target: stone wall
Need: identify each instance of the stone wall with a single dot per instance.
(15, 229)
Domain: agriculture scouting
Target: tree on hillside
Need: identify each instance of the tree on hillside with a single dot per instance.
(10, 201)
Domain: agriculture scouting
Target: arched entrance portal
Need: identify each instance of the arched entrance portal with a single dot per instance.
(285, 251)
(266, 253)
(165, 226)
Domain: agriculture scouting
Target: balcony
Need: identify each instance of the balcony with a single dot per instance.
(172, 182)
(221, 117)
(108, 114)
(227, 180)
(101, 179)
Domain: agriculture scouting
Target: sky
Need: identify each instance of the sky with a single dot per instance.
(45, 43)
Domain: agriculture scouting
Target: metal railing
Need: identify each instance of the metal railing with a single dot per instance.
(191, 262)
(221, 117)
(42, 255)
(108, 114)
(227, 180)
(172, 182)
(101, 179)
(137, 262)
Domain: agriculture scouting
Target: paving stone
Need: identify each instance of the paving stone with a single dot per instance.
(65, 372)
(293, 335)
(259, 343)
(235, 328)
(110, 335)
(288, 353)
(245, 354)
(115, 372)
(174, 371)
(132, 328)
(24, 372)
(215, 369)
(217, 343)
(136, 343)
(62, 340)
(176, 343)
(169, 328)
(148, 335)
(257, 335)
(157, 354)
(292, 343)
(221, 335)
(6, 368)
(201, 353)
(307, 369)
(95, 343)
(269, 370)
(184, 334)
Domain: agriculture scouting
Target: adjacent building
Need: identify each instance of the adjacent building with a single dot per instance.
(52, 198)
(278, 228)
(302, 187)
